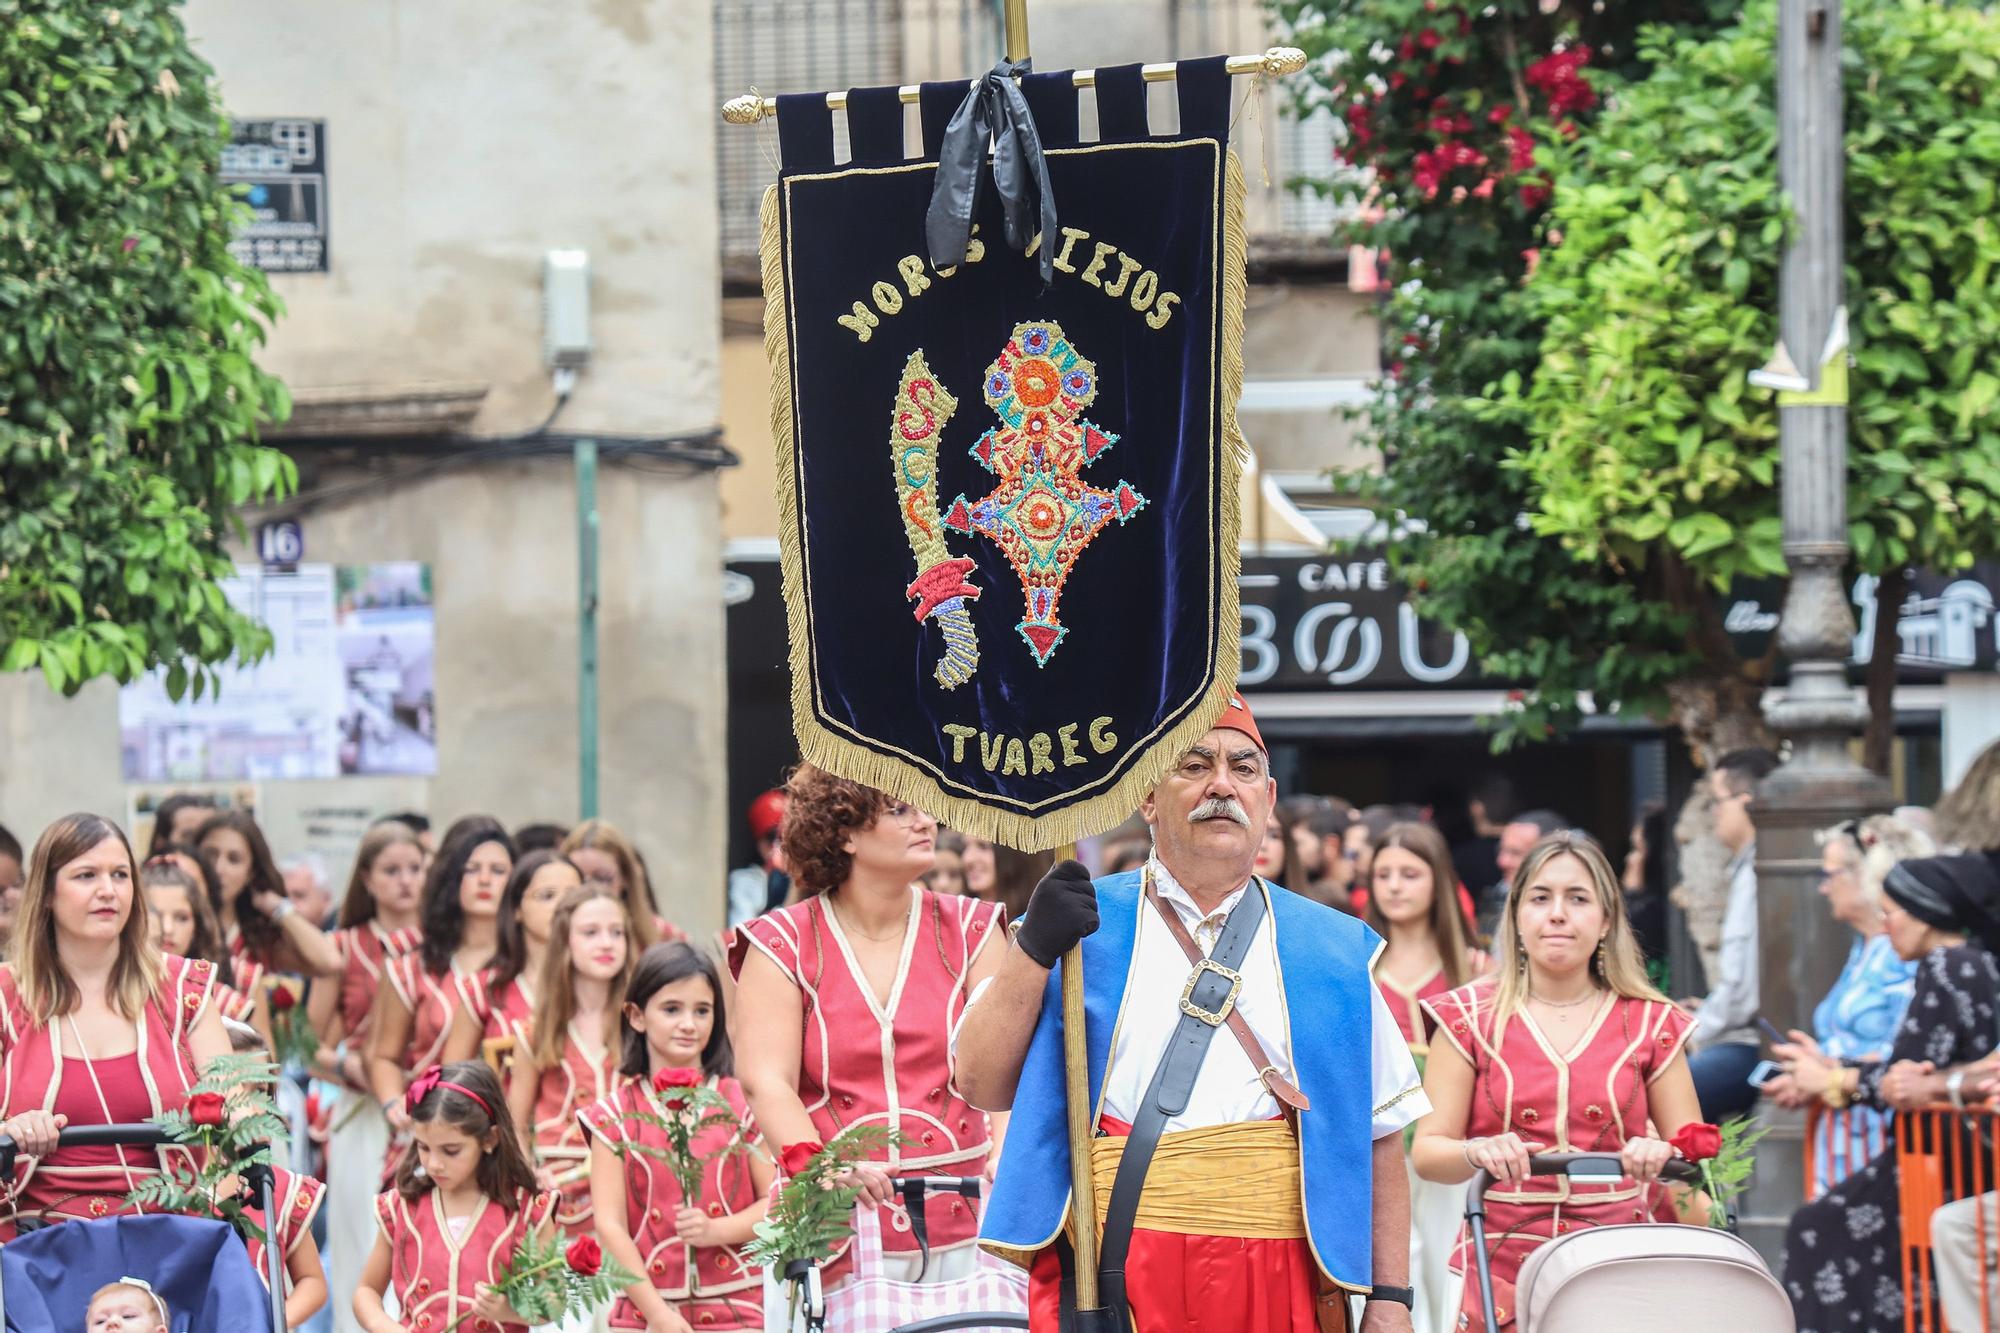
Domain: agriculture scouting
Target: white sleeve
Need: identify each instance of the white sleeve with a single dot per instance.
(978, 992)
(1399, 1091)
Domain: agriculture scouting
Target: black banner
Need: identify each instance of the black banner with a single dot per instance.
(1009, 510)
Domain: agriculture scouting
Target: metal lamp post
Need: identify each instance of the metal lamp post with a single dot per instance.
(1800, 946)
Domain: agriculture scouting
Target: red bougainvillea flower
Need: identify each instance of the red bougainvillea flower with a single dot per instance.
(798, 1156)
(1429, 39)
(1698, 1142)
(205, 1108)
(584, 1257)
(1521, 149)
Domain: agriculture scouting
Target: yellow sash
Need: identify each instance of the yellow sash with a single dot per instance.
(1223, 1180)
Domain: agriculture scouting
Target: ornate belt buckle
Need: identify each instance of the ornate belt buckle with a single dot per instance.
(1214, 1018)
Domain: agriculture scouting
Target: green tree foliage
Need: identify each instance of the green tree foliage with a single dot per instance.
(1647, 447)
(1451, 113)
(130, 402)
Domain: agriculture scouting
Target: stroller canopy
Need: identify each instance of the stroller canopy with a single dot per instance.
(197, 1265)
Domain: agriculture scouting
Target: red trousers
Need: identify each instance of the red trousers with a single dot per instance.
(1197, 1284)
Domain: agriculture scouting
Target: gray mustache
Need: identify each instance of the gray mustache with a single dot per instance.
(1220, 807)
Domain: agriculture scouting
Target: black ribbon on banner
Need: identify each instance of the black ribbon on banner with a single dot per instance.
(995, 112)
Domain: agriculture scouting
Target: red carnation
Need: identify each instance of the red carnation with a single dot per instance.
(584, 1257)
(282, 999)
(798, 1156)
(1698, 1142)
(677, 1078)
(205, 1108)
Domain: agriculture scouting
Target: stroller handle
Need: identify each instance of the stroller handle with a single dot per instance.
(141, 1135)
(1598, 1164)
(1678, 1171)
(147, 1135)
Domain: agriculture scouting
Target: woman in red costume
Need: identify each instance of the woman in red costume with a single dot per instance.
(848, 1001)
(1412, 906)
(1566, 1048)
(435, 1005)
(571, 1045)
(96, 1026)
(686, 1250)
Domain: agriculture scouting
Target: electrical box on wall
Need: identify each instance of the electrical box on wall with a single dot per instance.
(566, 309)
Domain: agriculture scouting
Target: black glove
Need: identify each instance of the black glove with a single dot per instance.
(1062, 910)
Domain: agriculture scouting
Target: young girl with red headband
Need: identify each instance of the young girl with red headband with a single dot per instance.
(676, 1037)
(571, 1046)
(464, 1200)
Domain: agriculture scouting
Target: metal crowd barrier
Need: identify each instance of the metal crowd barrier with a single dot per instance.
(1943, 1155)
(1847, 1150)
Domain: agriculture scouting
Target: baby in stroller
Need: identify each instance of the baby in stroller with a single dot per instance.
(128, 1305)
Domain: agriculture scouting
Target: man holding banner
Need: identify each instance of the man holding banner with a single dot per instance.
(1246, 1181)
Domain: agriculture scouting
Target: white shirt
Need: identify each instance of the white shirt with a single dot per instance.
(1228, 1091)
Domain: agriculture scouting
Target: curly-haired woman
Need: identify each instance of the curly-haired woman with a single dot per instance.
(848, 999)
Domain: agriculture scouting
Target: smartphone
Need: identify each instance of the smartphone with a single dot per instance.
(1770, 1031)
(1765, 1071)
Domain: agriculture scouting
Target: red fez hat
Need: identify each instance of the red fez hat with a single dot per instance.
(1237, 717)
(765, 813)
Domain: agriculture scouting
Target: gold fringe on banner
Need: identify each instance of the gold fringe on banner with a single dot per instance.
(839, 754)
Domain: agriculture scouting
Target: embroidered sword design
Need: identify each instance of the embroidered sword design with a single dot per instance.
(941, 589)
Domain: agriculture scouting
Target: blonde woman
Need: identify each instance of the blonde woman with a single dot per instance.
(1412, 905)
(1566, 1047)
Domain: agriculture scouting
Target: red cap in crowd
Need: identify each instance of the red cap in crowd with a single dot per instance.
(1237, 717)
(765, 814)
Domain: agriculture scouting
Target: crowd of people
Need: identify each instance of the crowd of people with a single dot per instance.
(496, 1014)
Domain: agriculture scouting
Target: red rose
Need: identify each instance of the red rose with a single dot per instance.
(677, 1078)
(1698, 1142)
(282, 999)
(584, 1257)
(798, 1156)
(205, 1108)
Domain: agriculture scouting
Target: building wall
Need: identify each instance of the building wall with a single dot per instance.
(465, 140)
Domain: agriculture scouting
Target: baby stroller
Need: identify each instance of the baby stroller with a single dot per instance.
(1647, 1277)
(810, 1300)
(198, 1266)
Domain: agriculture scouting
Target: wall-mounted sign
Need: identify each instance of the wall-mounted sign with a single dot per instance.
(281, 165)
(282, 544)
(1343, 621)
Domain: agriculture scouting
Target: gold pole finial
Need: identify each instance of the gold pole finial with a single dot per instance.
(745, 110)
(1282, 60)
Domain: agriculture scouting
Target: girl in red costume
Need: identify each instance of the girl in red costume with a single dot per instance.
(435, 1004)
(527, 911)
(96, 1026)
(1566, 1047)
(264, 932)
(1412, 906)
(676, 1035)
(179, 922)
(378, 925)
(464, 1201)
(848, 1003)
(572, 1043)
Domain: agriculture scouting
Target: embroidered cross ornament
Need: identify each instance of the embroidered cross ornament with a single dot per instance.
(1042, 513)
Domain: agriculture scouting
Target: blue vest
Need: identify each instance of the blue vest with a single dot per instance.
(1323, 956)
